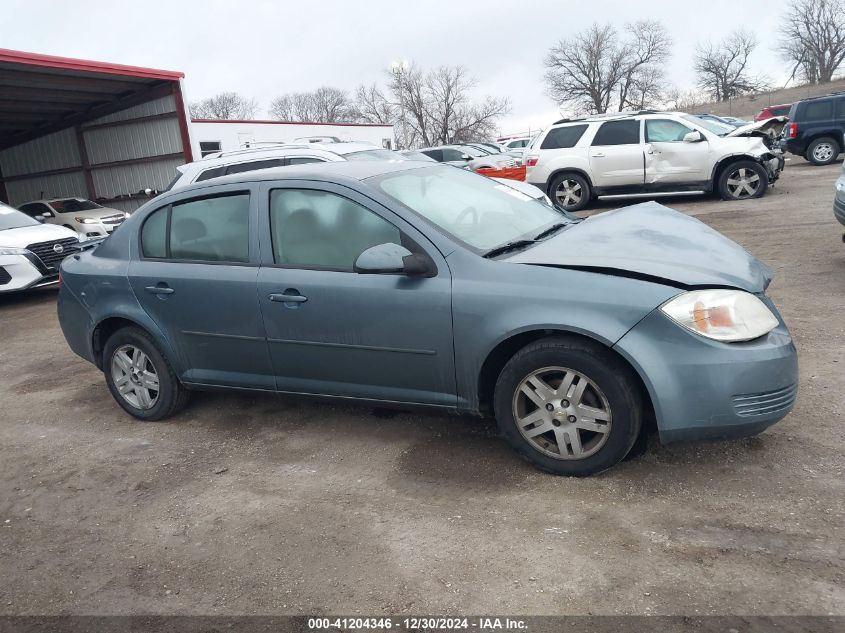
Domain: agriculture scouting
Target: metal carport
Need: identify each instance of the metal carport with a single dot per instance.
(71, 127)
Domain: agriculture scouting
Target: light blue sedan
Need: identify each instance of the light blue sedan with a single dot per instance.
(411, 284)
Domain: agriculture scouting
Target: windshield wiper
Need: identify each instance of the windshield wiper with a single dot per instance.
(554, 228)
(510, 246)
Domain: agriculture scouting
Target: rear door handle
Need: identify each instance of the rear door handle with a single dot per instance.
(279, 297)
(598, 155)
(160, 290)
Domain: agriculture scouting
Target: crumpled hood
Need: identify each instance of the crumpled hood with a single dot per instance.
(763, 126)
(652, 241)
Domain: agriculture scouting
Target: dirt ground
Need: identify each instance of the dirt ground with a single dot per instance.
(254, 504)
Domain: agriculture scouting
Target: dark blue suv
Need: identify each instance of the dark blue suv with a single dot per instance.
(815, 129)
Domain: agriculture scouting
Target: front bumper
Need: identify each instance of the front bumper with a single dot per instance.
(704, 389)
(20, 272)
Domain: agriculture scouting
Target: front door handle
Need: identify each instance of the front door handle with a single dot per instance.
(598, 155)
(280, 297)
(160, 290)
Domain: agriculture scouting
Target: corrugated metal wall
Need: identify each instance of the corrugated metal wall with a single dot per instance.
(110, 139)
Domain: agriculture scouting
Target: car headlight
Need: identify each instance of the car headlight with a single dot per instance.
(723, 315)
(87, 220)
(8, 250)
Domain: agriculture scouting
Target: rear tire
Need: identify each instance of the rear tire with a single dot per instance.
(823, 151)
(140, 378)
(743, 180)
(568, 406)
(571, 191)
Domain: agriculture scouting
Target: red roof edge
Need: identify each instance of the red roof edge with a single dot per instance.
(67, 63)
(269, 122)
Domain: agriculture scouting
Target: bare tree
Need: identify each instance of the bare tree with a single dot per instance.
(325, 104)
(225, 105)
(685, 100)
(813, 38)
(430, 107)
(371, 105)
(722, 68)
(597, 70)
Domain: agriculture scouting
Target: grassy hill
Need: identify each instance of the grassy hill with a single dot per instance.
(747, 107)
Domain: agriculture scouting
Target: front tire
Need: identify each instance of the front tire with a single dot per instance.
(568, 406)
(140, 378)
(743, 180)
(823, 151)
(571, 191)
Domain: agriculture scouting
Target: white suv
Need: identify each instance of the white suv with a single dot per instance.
(279, 155)
(576, 160)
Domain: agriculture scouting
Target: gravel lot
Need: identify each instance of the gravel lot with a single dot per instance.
(270, 505)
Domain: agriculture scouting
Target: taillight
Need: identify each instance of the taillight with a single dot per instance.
(793, 131)
(531, 161)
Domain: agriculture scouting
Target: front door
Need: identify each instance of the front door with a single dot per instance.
(669, 160)
(616, 155)
(336, 332)
(196, 276)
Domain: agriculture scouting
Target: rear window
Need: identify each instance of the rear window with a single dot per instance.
(818, 111)
(625, 132)
(562, 137)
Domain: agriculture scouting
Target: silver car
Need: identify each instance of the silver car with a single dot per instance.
(468, 156)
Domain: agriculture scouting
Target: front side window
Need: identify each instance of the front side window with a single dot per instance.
(73, 205)
(478, 211)
(665, 131)
(318, 229)
(625, 132)
(452, 154)
(212, 229)
(436, 154)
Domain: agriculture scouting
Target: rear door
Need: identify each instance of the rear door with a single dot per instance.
(195, 273)
(668, 159)
(617, 155)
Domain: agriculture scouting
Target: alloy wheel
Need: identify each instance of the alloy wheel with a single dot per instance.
(562, 413)
(743, 183)
(135, 377)
(823, 152)
(569, 193)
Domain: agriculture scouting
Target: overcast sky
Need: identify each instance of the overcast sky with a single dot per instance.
(264, 49)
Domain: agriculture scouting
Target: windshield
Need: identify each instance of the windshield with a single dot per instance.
(72, 205)
(478, 211)
(13, 219)
(717, 128)
(373, 154)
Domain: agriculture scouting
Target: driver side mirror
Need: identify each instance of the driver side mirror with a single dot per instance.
(392, 259)
(38, 218)
(466, 157)
(47, 214)
(693, 137)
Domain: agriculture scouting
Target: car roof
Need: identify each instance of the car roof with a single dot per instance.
(279, 149)
(330, 171)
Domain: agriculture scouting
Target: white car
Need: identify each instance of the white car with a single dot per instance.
(279, 155)
(87, 218)
(30, 252)
(577, 160)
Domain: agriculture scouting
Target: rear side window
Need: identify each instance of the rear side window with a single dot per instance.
(818, 111)
(301, 160)
(562, 137)
(214, 229)
(254, 165)
(625, 132)
(211, 173)
(436, 154)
